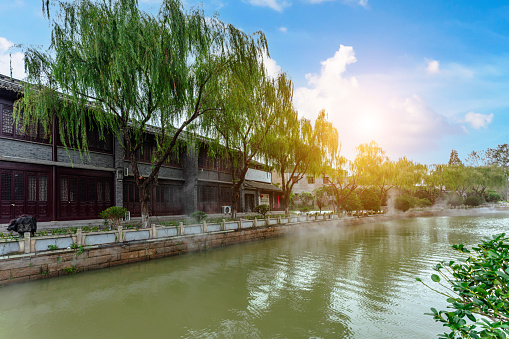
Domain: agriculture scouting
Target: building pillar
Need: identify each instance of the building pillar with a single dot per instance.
(190, 188)
(118, 160)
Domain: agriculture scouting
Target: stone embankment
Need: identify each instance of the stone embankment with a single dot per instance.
(50, 256)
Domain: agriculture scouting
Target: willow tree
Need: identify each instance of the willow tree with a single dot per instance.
(112, 66)
(297, 148)
(365, 171)
(250, 104)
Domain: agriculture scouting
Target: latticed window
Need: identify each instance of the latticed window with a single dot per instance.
(83, 190)
(43, 188)
(64, 189)
(19, 187)
(6, 185)
(99, 191)
(73, 183)
(7, 120)
(311, 180)
(32, 188)
(107, 192)
(91, 190)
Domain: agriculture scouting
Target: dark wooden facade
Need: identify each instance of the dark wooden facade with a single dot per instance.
(25, 189)
(38, 178)
(166, 198)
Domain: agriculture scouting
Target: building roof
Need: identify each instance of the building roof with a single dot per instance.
(10, 84)
(261, 186)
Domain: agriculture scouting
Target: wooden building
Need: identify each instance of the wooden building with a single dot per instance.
(40, 177)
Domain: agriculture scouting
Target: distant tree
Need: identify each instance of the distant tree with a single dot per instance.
(356, 176)
(250, 105)
(499, 156)
(454, 159)
(307, 198)
(409, 175)
(321, 195)
(403, 203)
(370, 200)
(477, 159)
(352, 203)
(296, 148)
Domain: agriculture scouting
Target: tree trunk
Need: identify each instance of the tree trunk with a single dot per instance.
(235, 199)
(144, 201)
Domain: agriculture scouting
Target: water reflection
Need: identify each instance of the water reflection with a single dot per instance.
(348, 282)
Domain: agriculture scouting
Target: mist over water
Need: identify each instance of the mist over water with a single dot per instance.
(344, 282)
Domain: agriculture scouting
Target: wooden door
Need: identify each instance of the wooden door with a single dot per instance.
(6, 203)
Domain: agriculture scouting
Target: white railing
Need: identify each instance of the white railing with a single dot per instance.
(14, 246)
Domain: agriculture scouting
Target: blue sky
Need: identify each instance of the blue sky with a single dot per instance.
(418, 77)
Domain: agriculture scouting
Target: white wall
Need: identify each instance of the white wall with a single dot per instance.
(257, 175)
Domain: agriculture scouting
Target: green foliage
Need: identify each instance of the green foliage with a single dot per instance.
(473, 200)
(404, 203)
(370, 200)
(71, 269)
(307, 198)
(423, 203)
(322, 195)
(476, 288)
(492, 196)
(78, 249)
(352, 203)
(262, 209)
(113, 215)
(52, 247)
(198, 216)
(454, 159)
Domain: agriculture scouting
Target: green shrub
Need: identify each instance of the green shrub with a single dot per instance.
(262, 209)
(198, 216)
(305, 209)
(113, 215)
(473, 201)
(403, 203)
(307, 198)
(492, 196)
(352, 203)
(370, 200)
(423, 203)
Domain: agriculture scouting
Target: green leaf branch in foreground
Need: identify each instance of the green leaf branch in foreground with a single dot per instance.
(476, 288)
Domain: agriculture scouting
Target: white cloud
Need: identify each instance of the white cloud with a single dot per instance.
(363, 3)
(280, 5)
(362, 113)
(283, 29)
(478, 120)
(271, 66)
(277, 5)
(433, 67)
(10, 58)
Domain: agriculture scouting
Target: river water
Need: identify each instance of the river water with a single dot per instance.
(340, 282)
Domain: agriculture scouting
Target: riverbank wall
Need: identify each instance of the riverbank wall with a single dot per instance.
(51, 256)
